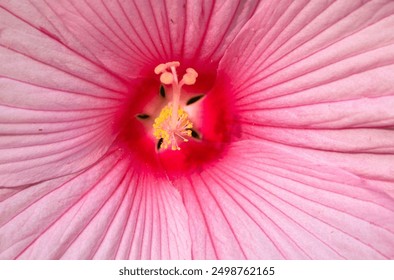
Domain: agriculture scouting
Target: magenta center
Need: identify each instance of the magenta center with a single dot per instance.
(174, 125)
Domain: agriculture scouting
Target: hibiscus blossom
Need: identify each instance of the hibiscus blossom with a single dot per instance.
(196, 129)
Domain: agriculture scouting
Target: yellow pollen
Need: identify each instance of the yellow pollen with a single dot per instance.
(163, 128)
(173, 122)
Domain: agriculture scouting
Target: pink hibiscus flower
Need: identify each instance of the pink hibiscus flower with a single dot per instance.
(204, 130)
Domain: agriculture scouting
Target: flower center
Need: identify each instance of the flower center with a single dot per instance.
(173, 124)
(166, 132)
(170, 110)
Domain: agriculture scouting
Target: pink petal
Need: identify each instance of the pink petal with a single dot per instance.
(319, 75)
(32, 54)
(128, 37)
(266, 201)
(369, 153)
(320, 65)
(105, 212)
(56, 106)
(60, 96)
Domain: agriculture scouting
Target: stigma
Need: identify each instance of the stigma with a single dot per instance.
(173, 124)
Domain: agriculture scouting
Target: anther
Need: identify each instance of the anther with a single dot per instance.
(173, 123)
